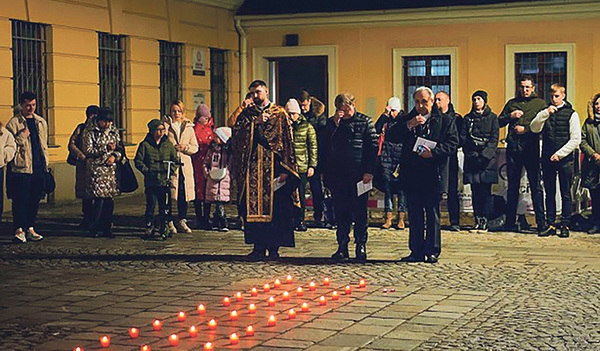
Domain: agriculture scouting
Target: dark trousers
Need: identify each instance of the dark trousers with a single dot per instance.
(424, 216)
(1, 192)
(86, 209)
(515, 162)
(595, 195)
(316, 192)
(564, 170)
(102, 214)
(302, 193)
(202, 209)
(182, 204)
(482, 200)
(453, 202)
(160, 195)
(348, 208)
(27, 194)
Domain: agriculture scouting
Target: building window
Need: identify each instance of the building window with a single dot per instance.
(29, 63)
(170, 74)
(218, 85)
(546, 68)
(430, 71)
(111, 65)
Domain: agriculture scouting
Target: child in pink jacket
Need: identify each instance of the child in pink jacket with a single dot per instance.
(217, 166)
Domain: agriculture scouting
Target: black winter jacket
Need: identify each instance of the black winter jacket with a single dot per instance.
(479, 140)
(391, 148)
(349, 150)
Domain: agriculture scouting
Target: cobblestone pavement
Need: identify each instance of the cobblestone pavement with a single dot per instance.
(497, 291)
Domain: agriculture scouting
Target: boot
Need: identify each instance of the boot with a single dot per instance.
(388, 221)
(401, 224)
(477, 226)
(341, 253)
(483, 226)
(361, 252)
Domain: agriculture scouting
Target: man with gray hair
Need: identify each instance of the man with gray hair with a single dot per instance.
(429, 137)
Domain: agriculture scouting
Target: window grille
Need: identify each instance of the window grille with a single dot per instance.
(546, 68)
(170, 74)
(218, 85)
(29, 63)
(111, 64)
(430, 71)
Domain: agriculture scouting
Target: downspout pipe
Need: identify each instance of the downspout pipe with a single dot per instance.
(243, 42)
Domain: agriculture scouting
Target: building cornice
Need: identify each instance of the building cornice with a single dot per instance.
(546, 10)
(225, 4)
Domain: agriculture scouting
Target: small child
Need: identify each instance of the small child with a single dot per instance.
(218, 180)
(153, 158)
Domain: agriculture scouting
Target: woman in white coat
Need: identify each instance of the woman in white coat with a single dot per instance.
(181, 133)
(8, 147)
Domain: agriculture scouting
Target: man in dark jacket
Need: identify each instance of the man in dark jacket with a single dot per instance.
(523, 150)
(561, 135)
(314, 112)
(349, 151)
(443, 104)
(429, 137)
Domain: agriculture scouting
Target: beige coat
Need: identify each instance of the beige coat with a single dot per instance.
(187, 137)
(8, 147)
(23, 161)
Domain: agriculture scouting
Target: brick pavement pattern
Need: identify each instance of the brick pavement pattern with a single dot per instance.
(496, 291)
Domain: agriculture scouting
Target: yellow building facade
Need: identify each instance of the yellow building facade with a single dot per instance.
(72, 61)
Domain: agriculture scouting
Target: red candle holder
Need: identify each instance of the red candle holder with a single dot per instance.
(266, 288)
(239, 297)
(362, 283)
(254, 292)
(234, 339)
(226, 301)
(385, 291)
(105, 341)
(335, 296)
(193, 331)
(212, 324)
(78, 348)
(348, 290)
(272, 321)
(289, 279)
(157, 325)
(326, 281)
(322, 301)
(208, 346)
(201, 309)
(300, 291)
(252, 308)
(285, 296)
(277, 284)
(291, 314)
(181, 316)
(145, 348)
(249, 330)
(134, 332)
(173, 340)
(271, 301)
(305, 307)
(233, 316)
(312, 286)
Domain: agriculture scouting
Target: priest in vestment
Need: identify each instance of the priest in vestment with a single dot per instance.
(266, 174)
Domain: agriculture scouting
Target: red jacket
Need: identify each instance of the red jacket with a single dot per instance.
(204, 135)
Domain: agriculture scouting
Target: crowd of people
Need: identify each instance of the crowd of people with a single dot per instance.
(270, 153)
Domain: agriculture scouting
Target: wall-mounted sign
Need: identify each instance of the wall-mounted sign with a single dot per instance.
(199, 62)
(199, 98)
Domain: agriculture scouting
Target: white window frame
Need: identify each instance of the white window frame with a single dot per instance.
(511, 50)
(398, 55)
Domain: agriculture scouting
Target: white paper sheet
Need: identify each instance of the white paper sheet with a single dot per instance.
(277, 184)
(362, 188)
(424, 142)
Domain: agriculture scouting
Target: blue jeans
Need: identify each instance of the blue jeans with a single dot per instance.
(393, 188)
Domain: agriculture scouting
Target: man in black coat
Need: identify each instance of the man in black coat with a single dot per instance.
(349, 150)
(421, 171)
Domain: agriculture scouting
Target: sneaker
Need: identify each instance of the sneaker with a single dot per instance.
(551, 230)
(454, 228)
(483, 226)
(477, 226)
(564, 232)
(20, 236)
(172, 229)
(301, 227)
(149, 230)
(32, 235)
(183, 227)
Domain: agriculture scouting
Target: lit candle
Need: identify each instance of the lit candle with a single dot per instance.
(134, 332)
(254, 292)
(326, 281)
(252, 308)
(347, 290)
(289, 279)
(234, 339)
(277, 284)
(322, 301)
(266, 288)
(286, 296)
(335, 296)
(312, 286)
(272, 321)
(157, 325)
(239, 297)
(249, 331)
(173, 340)
(105, 341)
(305, 307)
(193, 331)
(226, 301)
(300, 292)
(233, 316)
(362, 283)
(181, 316)
(271, 301)
(145, 348)
(212, 324)
(209, 346)
(392, 290)
(78, 348)
(201, 309)
(291, 314)
(385, 291)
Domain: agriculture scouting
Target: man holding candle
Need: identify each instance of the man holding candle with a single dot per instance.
(266, 174)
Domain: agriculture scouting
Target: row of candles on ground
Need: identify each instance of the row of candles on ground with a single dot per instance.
(234, 338)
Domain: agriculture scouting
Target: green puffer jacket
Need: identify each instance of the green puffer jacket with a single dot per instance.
(149, 160)
(305, 144)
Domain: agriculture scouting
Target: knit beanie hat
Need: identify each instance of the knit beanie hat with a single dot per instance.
(394, 104)
(224, 133)
(292, 106)
(203, 111)
(153, 125)
(482, 94)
